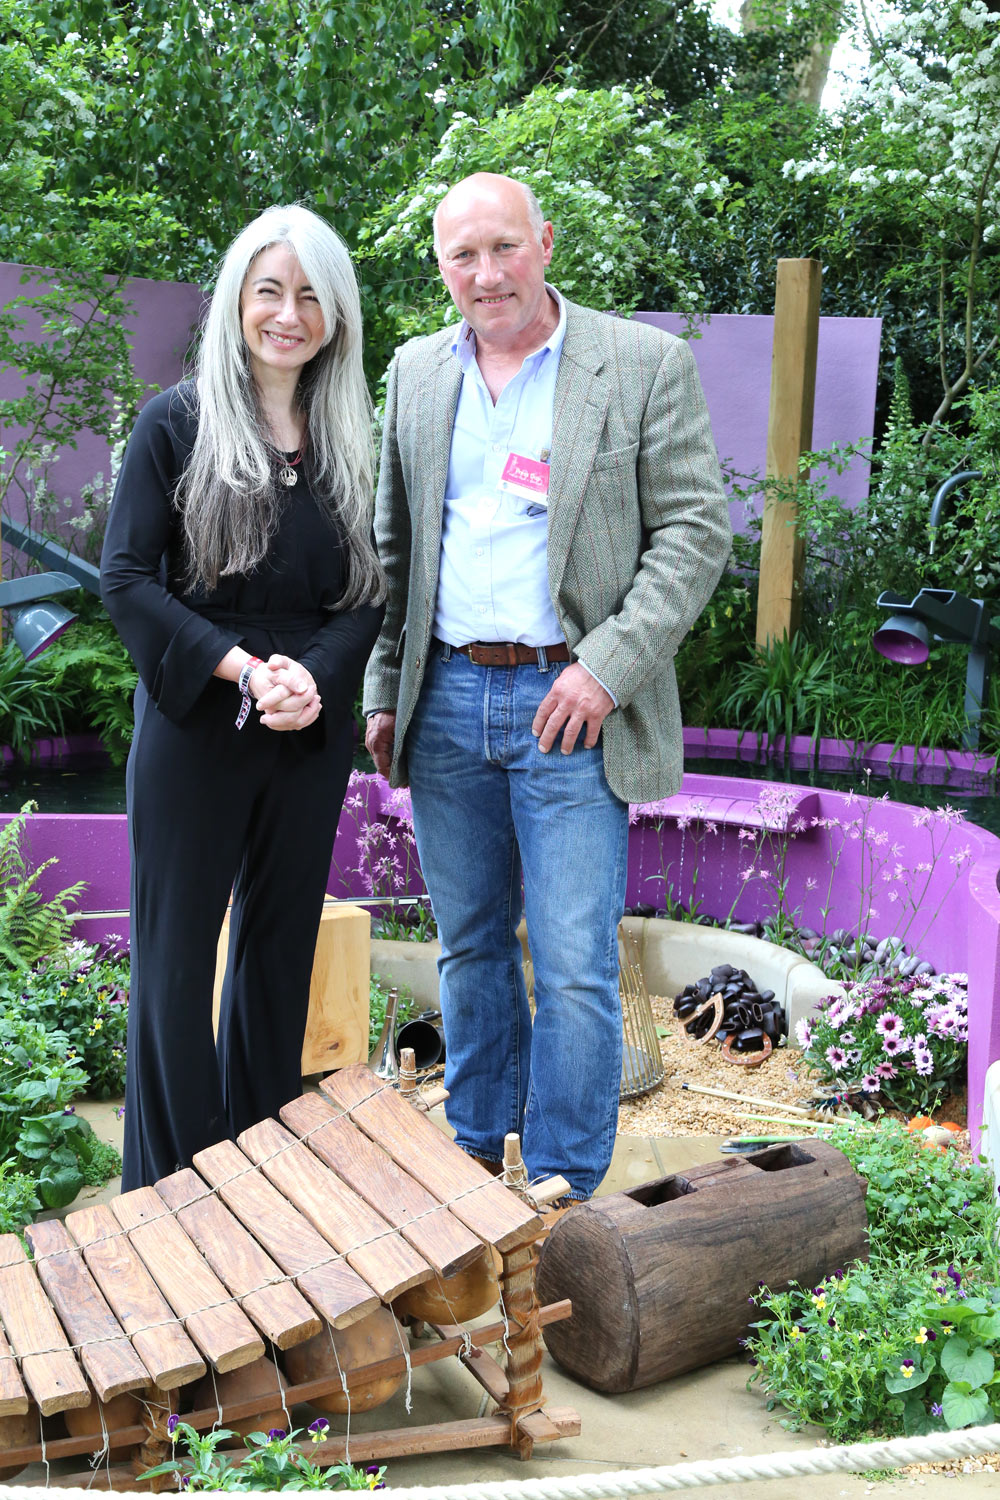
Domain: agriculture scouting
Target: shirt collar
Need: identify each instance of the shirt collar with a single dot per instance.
(464, 343)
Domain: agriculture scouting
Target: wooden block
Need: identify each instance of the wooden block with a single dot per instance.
(367, 1241)
(103, 1349)
(280, 1312)
(157, 1337)
(329, 1283)
(221, 1331)
(445, 1244)
(480, 1201)
(13, 1397)
(50, 1372)
(337, 1023)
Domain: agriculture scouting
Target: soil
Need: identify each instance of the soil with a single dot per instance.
(783, 1079)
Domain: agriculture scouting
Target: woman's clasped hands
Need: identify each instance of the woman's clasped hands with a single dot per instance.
(286, 693)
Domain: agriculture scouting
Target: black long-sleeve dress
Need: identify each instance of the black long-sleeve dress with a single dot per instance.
(212, 807)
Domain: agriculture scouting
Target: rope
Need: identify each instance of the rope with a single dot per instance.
(851, 1458)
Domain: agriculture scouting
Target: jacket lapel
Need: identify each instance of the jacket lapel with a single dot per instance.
(434, 439)
(581, 402)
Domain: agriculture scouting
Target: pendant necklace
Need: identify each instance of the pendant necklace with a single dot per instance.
(286, 472)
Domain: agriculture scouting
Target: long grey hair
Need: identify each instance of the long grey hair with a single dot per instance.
(227, 495)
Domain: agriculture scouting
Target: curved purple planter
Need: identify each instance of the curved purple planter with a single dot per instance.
(930, 880)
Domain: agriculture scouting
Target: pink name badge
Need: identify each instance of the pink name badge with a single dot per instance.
(526, 477)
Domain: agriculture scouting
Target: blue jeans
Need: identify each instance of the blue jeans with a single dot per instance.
(487, 807)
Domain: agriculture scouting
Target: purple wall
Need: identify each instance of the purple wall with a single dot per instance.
(733, 354)
(160, 331)
(832, 848)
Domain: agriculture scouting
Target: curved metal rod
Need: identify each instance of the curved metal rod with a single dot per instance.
(937, 505)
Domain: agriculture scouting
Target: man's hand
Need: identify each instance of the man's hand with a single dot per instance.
(380, 740)
(292, 700)
(576, 698)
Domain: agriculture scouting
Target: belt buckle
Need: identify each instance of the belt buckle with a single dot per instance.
(493, 653)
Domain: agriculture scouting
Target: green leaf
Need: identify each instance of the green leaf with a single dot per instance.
(61, 1187)
(964, 1408)
(962, 1363)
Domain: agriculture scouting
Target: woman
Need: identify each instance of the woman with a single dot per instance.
(239, 571)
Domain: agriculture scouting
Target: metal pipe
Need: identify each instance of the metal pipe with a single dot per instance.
(937, 505)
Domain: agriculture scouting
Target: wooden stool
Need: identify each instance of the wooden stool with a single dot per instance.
(337, 1024)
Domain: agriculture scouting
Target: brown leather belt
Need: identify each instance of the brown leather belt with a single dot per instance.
(510, 653)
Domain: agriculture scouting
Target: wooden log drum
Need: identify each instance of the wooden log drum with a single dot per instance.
(661, 1276)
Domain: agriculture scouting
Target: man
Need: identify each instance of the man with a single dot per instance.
(551, 518)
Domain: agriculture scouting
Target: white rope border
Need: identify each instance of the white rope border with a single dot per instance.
(850, 1458)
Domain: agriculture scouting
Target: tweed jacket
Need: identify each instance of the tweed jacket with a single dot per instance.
(638, 528)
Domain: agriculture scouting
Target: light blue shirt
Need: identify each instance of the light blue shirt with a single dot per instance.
(493, 583)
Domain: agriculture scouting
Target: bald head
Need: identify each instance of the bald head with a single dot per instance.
(488, 187)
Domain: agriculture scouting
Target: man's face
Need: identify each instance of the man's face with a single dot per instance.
(493, 262)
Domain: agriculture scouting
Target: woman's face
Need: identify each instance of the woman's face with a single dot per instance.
(281, 318)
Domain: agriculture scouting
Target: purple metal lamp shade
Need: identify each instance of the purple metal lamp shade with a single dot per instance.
(904, 640)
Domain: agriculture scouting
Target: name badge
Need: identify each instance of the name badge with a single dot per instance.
(527, 478)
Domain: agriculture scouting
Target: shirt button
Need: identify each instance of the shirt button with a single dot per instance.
(482, 609)
(497, 447)
(479, 551)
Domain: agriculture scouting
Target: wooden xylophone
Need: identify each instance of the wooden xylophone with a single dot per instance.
(308, 1225)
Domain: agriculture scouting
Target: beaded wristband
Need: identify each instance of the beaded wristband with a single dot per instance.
(243, 686)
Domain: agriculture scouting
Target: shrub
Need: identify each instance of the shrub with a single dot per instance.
(83, 993)
(920, 1202)
(876, 1348)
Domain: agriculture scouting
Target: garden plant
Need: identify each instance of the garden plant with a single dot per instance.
(275, 1460)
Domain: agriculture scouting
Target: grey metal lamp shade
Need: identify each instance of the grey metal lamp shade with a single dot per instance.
(37, 625)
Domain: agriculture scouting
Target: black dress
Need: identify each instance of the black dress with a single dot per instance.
(211, 807)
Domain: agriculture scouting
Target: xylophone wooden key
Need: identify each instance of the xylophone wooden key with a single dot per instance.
(50, 1371)
(111, 1363)
(280, 1312)
(13, 1397)
(325, 1278)
(444, 1242)
(480, 1201)
(367, 1241)
(222, 1332)
(135, 1299)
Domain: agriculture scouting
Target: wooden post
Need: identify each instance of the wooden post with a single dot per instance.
(789, 435)
(157, 1406)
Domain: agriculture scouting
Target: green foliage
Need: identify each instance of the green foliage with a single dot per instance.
(61, 1150)
(629, 192)
(788, 688)
(89, 670)
(275, 1462)
(719, 642)
(30, 925)
(30, 706)
(920, 1202)
(83, 994)
(19, 1200)
(890, 1347)
(36, 1076)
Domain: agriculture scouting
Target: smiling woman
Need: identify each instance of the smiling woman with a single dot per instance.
(238, 551)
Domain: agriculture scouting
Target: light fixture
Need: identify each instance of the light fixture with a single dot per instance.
(905, 638)
(36, 622)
